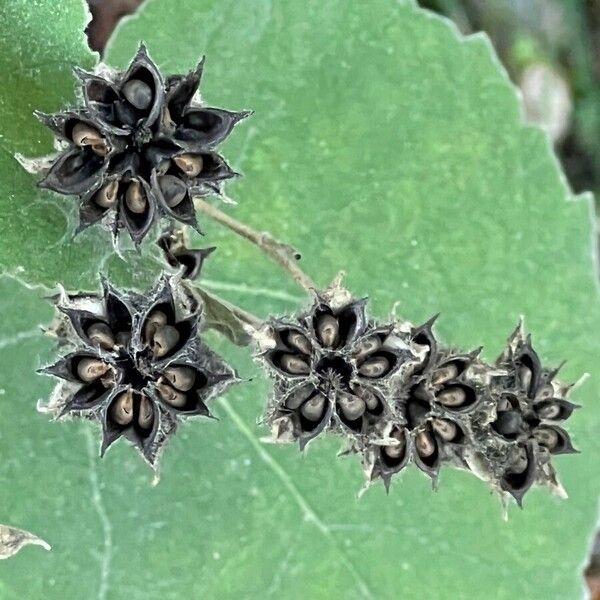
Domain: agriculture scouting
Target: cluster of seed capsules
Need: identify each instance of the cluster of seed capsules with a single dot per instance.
(140, 148)
(399, 397)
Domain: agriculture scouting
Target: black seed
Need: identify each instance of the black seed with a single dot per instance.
(153, 322)
(138, 93)
(508, 423)
(519, 461)
(173, 190)
(295, 399)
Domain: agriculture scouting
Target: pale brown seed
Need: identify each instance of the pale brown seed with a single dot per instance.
(101, 148)
(153, 322)
(101, 335)
(295, 400)
(452, 397)
(397, 450)
(146, 413)
(313, 409)
(546, 437)
(165, 338)
(190, 164)
(367, 346)
(138, 94)
(121, 410)
(294, 365)
(86, 135)
(106, 196)
(170, 395)
(90, 369)
(328, 330)
(300, 342)
(444, 374)
(445, 429)
(374, 367)
(351, 406)
(182, 378)
(519, 461)
(525, 376)
(135, 198)
(369, 398)
(549, 411)
(424, 444)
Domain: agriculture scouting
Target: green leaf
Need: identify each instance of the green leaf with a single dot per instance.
(385, 145)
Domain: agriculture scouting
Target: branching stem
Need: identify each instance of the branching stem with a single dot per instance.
(281, 253)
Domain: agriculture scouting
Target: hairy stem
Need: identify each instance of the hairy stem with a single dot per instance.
(281, 253)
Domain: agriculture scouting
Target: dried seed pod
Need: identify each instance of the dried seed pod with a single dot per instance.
(138, 125)
(101, 335)
(145, 395)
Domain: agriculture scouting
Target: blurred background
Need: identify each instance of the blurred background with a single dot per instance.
(551, 51)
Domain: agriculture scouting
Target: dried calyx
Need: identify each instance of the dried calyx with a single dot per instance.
(139, 149)
(177, 254)
(398, 397)
(136, 365)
